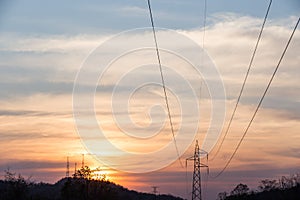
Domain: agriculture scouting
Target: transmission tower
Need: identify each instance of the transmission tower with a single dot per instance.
(68, 168)
(196, 190)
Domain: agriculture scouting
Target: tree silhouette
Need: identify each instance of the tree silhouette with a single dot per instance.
(268, 185)
(287, 188)
(16, 187)
(84, 173)
(222, 195)
(84, 185)
(240, 189)
(87, 184)
(89, 174)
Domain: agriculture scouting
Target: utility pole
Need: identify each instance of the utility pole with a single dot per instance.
(196, 190)
(68, 168)
(155, 191)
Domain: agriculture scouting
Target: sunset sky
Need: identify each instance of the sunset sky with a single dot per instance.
(45, 44)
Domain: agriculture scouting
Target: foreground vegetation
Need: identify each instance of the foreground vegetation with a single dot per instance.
(286, 188)
(87, 184)
(83, 185)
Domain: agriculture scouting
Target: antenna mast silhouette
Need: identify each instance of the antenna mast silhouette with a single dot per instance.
(75, 169)
(82, 163)
(196, 191)
(68, 168)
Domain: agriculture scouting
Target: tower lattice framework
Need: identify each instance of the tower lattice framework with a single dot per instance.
(196, 189)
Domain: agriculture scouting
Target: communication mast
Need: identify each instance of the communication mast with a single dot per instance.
(75, 170)
(68, 168)
(82, 162)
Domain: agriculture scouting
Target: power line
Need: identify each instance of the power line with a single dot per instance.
(186, 180)
(245, 80)
(163, 80)
(204, 23)
(201, 83)
(203, 41)
(261, 100)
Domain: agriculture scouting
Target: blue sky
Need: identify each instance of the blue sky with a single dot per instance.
(78, 17)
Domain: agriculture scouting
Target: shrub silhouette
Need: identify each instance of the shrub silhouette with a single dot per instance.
(14, 186)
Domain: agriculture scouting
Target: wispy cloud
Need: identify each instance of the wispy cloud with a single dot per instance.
(134, 10)
(37, 76)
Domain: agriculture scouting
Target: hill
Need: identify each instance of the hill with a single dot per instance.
(79, 187)
(277, 194)
(286, 188)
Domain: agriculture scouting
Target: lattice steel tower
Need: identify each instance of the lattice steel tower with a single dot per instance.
(196, 190)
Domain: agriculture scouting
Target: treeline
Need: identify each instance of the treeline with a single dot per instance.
(286, 188)
(85, 184)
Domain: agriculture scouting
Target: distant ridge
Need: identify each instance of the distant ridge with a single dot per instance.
(72, 189)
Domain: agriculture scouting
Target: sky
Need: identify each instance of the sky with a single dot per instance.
(52, 53)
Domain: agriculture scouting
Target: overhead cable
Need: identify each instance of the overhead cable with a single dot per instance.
(244, 82)
(260, 102)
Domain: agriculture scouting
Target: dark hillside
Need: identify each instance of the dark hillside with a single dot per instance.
(286, 188)
(79, 187)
